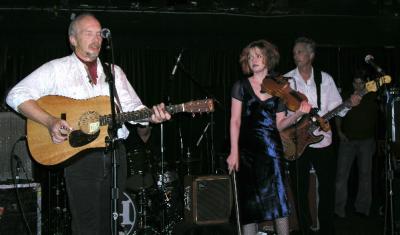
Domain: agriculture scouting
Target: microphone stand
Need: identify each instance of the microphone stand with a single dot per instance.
(208, 94)
(389, 102)
(168, 101)
(162, 172)
(110, 141)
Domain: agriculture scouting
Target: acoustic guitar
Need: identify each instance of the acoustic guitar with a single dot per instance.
(297, 137)
(89, 119)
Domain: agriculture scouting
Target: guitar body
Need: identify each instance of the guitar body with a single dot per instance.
(42, 148)
(89, 120)
(297, 137)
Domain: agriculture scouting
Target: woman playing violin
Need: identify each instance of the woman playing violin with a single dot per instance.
(256, 148)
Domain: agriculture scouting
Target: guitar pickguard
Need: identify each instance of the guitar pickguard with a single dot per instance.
(297, 137)
(78, 138)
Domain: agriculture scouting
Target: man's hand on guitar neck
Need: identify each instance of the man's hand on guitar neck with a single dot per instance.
(159, 114)
(355, 99)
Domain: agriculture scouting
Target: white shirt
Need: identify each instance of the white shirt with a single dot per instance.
(68, 77)
(330, 98)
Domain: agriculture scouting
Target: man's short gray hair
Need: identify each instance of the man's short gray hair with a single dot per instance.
(310, 44)
(72, 26)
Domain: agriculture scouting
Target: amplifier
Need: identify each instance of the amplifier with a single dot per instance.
(11, 219)
(12, 128)
(207, 199)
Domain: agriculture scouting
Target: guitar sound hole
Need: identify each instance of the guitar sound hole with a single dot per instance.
(79, 138)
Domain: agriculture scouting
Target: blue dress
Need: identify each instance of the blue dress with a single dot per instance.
(260, 186)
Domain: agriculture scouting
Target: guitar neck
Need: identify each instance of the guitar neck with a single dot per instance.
(334, 112)
(140, 115)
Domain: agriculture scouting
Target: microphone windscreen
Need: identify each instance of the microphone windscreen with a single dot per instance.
(368, 58)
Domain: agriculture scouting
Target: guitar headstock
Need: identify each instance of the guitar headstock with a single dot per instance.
(199, 106)
(373, 86)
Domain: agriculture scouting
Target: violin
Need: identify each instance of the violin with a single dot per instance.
(279, 86)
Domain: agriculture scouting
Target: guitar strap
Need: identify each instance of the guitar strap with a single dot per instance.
(318, 81)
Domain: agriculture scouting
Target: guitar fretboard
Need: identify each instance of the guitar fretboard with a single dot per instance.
(334, 112)
(140, 115)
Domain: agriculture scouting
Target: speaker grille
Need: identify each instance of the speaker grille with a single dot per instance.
(12, 128)
(211, 199)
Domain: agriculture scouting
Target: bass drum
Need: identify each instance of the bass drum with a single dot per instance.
(127, 214)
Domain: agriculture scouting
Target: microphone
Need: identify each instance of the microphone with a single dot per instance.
(176, 64)
(105, 33)
(369, 59)
(202, 135)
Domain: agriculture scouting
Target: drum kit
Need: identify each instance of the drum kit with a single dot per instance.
(153, 202)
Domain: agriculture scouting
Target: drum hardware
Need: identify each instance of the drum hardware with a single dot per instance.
(165, 197)
(58, 215)
(189, 161)
(167, 178)
(165, 209)
(154, 190)
(144, 205)
(165, 206)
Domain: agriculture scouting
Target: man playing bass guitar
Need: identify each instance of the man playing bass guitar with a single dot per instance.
(322, 93)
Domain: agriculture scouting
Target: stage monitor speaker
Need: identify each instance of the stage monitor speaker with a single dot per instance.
(12, 128)
(207, 199)
(12, 220)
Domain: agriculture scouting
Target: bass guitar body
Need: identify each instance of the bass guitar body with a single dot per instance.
(297, 137)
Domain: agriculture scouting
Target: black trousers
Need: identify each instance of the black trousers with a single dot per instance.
(88, 184)
(324, 162)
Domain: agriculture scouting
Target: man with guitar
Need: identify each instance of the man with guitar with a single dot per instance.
(356, 132)
(81, 76)
(321, 92)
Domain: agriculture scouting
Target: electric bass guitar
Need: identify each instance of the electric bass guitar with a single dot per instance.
(297, 137)
(89, 120)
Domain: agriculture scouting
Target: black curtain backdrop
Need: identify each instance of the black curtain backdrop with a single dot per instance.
(209, 66)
